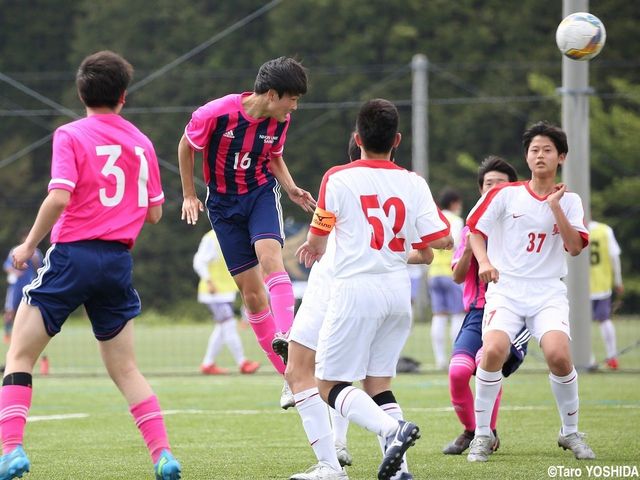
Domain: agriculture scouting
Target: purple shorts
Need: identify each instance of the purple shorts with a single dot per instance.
(446, 295)
(601, 309)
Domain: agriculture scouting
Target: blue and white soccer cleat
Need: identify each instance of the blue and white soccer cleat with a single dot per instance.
(405, 437)
(167, 467)
(14, 464)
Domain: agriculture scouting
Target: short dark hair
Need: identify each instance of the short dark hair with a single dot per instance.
(447, 197)
(353, 149)
(494, 163)
(377, 125)
(546, 129)
(282, 74)
(102, 78)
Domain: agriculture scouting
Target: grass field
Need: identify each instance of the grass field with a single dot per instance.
(231, 428)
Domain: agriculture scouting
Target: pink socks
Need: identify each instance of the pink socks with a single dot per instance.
(264, 327)
(460, 370)
(149, 421)
(282, 300)
(15, 401)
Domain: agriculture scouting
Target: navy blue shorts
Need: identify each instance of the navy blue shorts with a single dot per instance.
(93, 273)
(240, 220)
(469, 341)
(601, 309)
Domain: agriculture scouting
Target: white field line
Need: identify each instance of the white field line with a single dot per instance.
(66, 416)
(191, 411)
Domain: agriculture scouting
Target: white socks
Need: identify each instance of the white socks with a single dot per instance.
(608, 332)
(316, 424)
(488, 386)
(565, 389)
(359, 408)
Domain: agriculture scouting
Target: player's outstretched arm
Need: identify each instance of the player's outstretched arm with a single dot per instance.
(297, 195)
(50, 210)
(191, 205)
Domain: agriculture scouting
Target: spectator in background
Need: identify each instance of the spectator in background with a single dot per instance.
(217, 291)
(606, 273)
(16, 280)
(446, 295)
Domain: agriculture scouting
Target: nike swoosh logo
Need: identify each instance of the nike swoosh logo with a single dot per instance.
(518, 216)
(572, 413)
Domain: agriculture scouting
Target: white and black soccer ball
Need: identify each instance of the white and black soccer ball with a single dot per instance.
(581, 36)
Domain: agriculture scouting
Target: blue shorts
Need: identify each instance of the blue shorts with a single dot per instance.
(93, 273)
(446, 295)
(601, 309)
(469, 341)
(240, 220)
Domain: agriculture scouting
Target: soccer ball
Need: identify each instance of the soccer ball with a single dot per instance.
(581, 36)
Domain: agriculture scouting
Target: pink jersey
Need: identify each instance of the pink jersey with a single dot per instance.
(236, 147)
(382, 210)
(523, 239)
(111, 170)
(473, 289)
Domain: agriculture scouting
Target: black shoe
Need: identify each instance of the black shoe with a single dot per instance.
(280, 345)
(405, 437)
(460, 444)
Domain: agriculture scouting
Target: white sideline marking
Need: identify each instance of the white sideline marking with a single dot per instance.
(65, 416)
(213, 412)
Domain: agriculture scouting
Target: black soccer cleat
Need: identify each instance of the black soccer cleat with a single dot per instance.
(405, 437)
(280, 346)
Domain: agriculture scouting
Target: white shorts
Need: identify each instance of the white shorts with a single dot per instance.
(367, 323)
(310, 314)
(541, 304)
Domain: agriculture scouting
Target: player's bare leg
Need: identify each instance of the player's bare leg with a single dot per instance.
(119, 359)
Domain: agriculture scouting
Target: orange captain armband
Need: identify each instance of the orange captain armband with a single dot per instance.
(323, 220)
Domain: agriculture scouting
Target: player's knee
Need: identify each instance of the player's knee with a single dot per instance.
(559, 363)
(494, 354)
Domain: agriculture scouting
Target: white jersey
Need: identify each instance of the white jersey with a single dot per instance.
(382, 211)
(523, 239)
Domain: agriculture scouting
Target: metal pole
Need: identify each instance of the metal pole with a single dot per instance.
(419, 154)
(419, 120)
(575, 173)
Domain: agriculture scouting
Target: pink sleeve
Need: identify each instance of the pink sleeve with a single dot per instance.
(64, 173)
(460, 250)
(154, 186)
(198, 130)
(278, 148)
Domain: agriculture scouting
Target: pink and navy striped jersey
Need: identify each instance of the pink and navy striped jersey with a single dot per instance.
(110, 168)
(236, 147)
